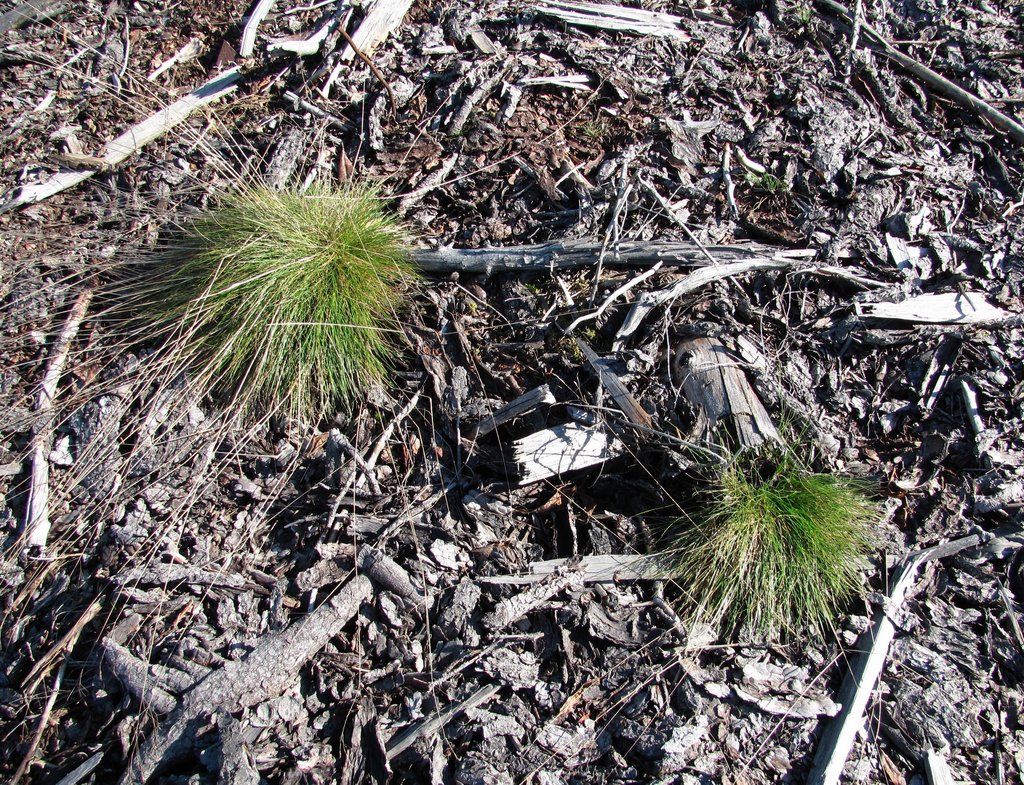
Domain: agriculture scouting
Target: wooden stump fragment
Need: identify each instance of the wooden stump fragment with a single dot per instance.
(713, 379)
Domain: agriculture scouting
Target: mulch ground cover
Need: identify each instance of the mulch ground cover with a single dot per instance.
(395, 594)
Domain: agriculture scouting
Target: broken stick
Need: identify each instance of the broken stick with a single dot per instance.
(131, 141)
(37, 516)
(860, 681)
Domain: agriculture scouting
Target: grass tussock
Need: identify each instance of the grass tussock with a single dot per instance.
(284, 301)
(776, 549)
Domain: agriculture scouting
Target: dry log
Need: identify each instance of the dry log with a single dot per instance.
(267, 671)
(572, 254)
(713, 379)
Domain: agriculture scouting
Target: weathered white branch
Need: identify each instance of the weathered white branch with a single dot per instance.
(837, 741)
(37, 516)
(259, 13)
(131, 141)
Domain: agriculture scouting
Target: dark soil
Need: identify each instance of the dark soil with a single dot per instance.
(182, 540)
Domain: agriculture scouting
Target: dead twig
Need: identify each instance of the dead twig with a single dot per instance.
(128, 143)
(256, 17)
(37, 516)
(44, 720)
(267, 671)
(373, 68)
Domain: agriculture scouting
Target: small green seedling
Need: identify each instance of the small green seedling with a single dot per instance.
(283, 301)
(776, 549)
(767, 183)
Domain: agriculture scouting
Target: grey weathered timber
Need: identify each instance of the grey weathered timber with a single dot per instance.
(713, 379)
(574, 254)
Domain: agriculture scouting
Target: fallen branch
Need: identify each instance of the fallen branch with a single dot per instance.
(859, 684)
(401, 741)
(573, 254)
(693, 282)
(931, 78)
(131, 141)
(37, 515)
(267, 671)
(256, 17)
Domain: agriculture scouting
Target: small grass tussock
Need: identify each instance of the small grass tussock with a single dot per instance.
(776, 549)
(283, 301)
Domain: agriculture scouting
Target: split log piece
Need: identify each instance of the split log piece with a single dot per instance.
(83, 769)
(428, 184)
(713, 379)
(37, 515)
(613, 384)
(525, 403)
(837, 741)
(944, 308)
(267, 671)
(131, 141)
(564, 448)
(932, 79)
(614, 17)
(973, 410)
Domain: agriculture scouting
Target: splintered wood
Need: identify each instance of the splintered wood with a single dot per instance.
(562, 449)
(946, 308)
(714, 380)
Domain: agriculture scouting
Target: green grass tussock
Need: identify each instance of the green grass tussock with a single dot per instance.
(285, 301)
(777, 549)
